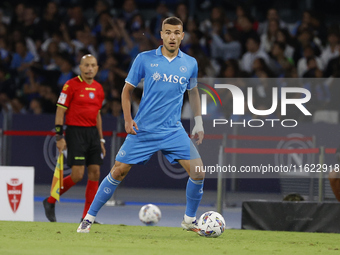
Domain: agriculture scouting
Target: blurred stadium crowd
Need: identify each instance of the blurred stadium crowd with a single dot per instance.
(41, 45)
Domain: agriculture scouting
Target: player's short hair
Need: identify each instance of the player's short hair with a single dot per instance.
(172, 21)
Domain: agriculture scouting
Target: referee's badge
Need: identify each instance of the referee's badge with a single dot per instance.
(62, 98)
(91, 95)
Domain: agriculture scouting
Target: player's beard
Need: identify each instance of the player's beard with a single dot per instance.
(171, 51)
(89, 75)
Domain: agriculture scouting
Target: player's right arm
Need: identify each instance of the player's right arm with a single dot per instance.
(59, 121)
(135, 75)
(63, 103)
(126, 105)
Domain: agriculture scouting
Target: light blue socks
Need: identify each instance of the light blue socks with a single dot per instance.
(104, 193)
(194, 193)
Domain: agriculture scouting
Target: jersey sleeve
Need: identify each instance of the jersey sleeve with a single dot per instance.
(136, 72)
(193, 79)
(65, 96)
(103, 96)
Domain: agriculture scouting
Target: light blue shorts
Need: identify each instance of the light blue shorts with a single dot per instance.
(175, 145)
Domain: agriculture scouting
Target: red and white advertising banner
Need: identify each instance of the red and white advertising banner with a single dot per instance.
(17, 193)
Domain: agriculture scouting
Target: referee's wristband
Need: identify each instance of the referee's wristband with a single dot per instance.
(102, 140)
(59, 129)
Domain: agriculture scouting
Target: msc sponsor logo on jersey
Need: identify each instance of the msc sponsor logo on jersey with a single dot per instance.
(169, 78)
(156, 76)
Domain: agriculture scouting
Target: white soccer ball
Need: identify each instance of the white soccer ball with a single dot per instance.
(211, 224)
(150, 214)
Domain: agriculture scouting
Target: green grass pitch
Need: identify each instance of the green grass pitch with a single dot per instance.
(61, 238)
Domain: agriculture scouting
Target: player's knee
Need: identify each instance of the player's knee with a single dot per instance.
(198, 176)
(196, 173)
(94, 172)
(119, 171)
(77, 176)
(77, 173)
(94, 176)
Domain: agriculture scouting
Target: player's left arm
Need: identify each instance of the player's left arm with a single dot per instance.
(100, 131)
(195, 103)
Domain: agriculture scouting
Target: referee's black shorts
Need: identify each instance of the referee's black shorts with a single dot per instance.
(83, 146)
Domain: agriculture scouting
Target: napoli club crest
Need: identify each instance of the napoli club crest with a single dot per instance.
(122, 153)
(14, 191)
(91, 95)
(183, 69)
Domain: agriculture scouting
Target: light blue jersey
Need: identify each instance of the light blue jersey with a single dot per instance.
(164, 85)
(160, 110)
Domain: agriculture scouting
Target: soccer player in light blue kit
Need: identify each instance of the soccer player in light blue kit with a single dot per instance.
(167, 73)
